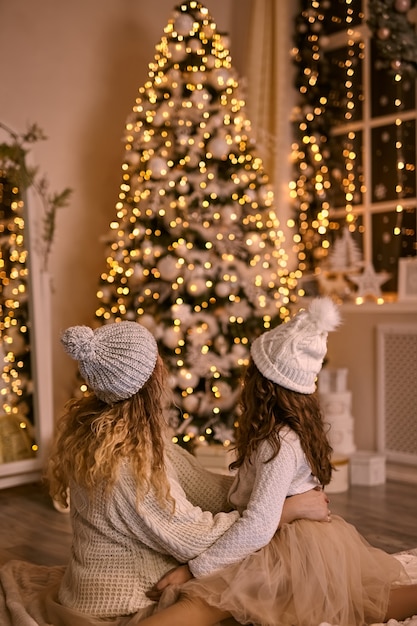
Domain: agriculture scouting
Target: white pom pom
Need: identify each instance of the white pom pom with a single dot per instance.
(77, 342)
(324, 313)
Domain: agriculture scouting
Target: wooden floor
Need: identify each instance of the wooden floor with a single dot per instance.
(32, 530)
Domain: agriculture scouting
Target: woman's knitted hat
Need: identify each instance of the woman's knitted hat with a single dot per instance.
(115, 360)
(292, 354)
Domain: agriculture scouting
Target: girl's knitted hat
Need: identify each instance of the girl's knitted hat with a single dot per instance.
(115, 360)
(292, 354)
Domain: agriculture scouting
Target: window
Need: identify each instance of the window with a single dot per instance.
(356, 144)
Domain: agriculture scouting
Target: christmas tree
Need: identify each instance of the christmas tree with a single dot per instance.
(343, 262)
(195, 250)
(345, 255)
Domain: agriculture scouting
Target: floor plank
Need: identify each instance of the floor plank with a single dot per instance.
(33, 530)
(386, 515)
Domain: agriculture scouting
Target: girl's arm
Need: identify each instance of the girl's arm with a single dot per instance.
(183, 533)
(209, 490)
(262, 515)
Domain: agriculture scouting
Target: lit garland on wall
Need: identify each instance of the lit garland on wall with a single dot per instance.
(349, 155)
(310, 191)
(322, 168)
(401, 164)
(195, 251)
(17, 415)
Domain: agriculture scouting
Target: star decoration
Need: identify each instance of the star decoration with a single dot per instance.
(369, 282)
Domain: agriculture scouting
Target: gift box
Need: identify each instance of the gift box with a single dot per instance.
(367, 468)
(215, 457)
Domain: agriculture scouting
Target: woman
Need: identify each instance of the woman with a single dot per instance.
(139, 505)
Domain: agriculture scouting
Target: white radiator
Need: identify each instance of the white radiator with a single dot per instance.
(397, 392)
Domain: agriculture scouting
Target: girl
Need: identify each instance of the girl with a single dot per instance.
(305, 573)
(131, 519)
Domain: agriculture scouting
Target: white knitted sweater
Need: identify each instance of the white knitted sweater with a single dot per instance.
(118, 552)
(258, 493)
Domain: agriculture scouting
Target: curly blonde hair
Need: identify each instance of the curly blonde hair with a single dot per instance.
(266, 407)
(93, 438)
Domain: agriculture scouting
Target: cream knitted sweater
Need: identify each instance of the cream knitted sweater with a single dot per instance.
(119, 552)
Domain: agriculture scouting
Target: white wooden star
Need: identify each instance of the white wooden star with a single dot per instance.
(369, 282)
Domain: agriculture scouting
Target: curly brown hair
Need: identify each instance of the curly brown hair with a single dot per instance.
(92, 438)
(266, 407)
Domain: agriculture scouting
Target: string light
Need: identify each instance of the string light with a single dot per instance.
(349, 151)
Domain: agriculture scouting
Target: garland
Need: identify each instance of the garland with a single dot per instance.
(394, 35)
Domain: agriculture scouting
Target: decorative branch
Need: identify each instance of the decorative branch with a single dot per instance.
(13, 160)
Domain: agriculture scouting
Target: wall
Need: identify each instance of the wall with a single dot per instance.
(354, 346)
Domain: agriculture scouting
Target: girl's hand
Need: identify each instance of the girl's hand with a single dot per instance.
(176, 576)
(313, 505)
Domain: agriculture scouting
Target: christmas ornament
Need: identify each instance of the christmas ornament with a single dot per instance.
(369, 282)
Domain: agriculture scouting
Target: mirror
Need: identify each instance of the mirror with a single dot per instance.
(26, 401)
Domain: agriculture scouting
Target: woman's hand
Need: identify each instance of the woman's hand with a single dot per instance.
(176, 576)
(313, 505)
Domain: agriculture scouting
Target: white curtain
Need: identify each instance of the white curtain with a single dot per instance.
(270, 93)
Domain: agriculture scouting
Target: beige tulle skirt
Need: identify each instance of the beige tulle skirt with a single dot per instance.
(309, 573)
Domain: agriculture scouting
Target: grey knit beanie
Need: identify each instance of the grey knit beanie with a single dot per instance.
(115, 360)
(292, 354)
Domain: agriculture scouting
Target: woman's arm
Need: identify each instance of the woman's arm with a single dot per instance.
(311, 505)
(184, 533)
(177, 527)
(203, 488)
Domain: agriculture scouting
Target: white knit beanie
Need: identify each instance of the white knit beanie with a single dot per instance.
(292, 354)
(115, 360)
